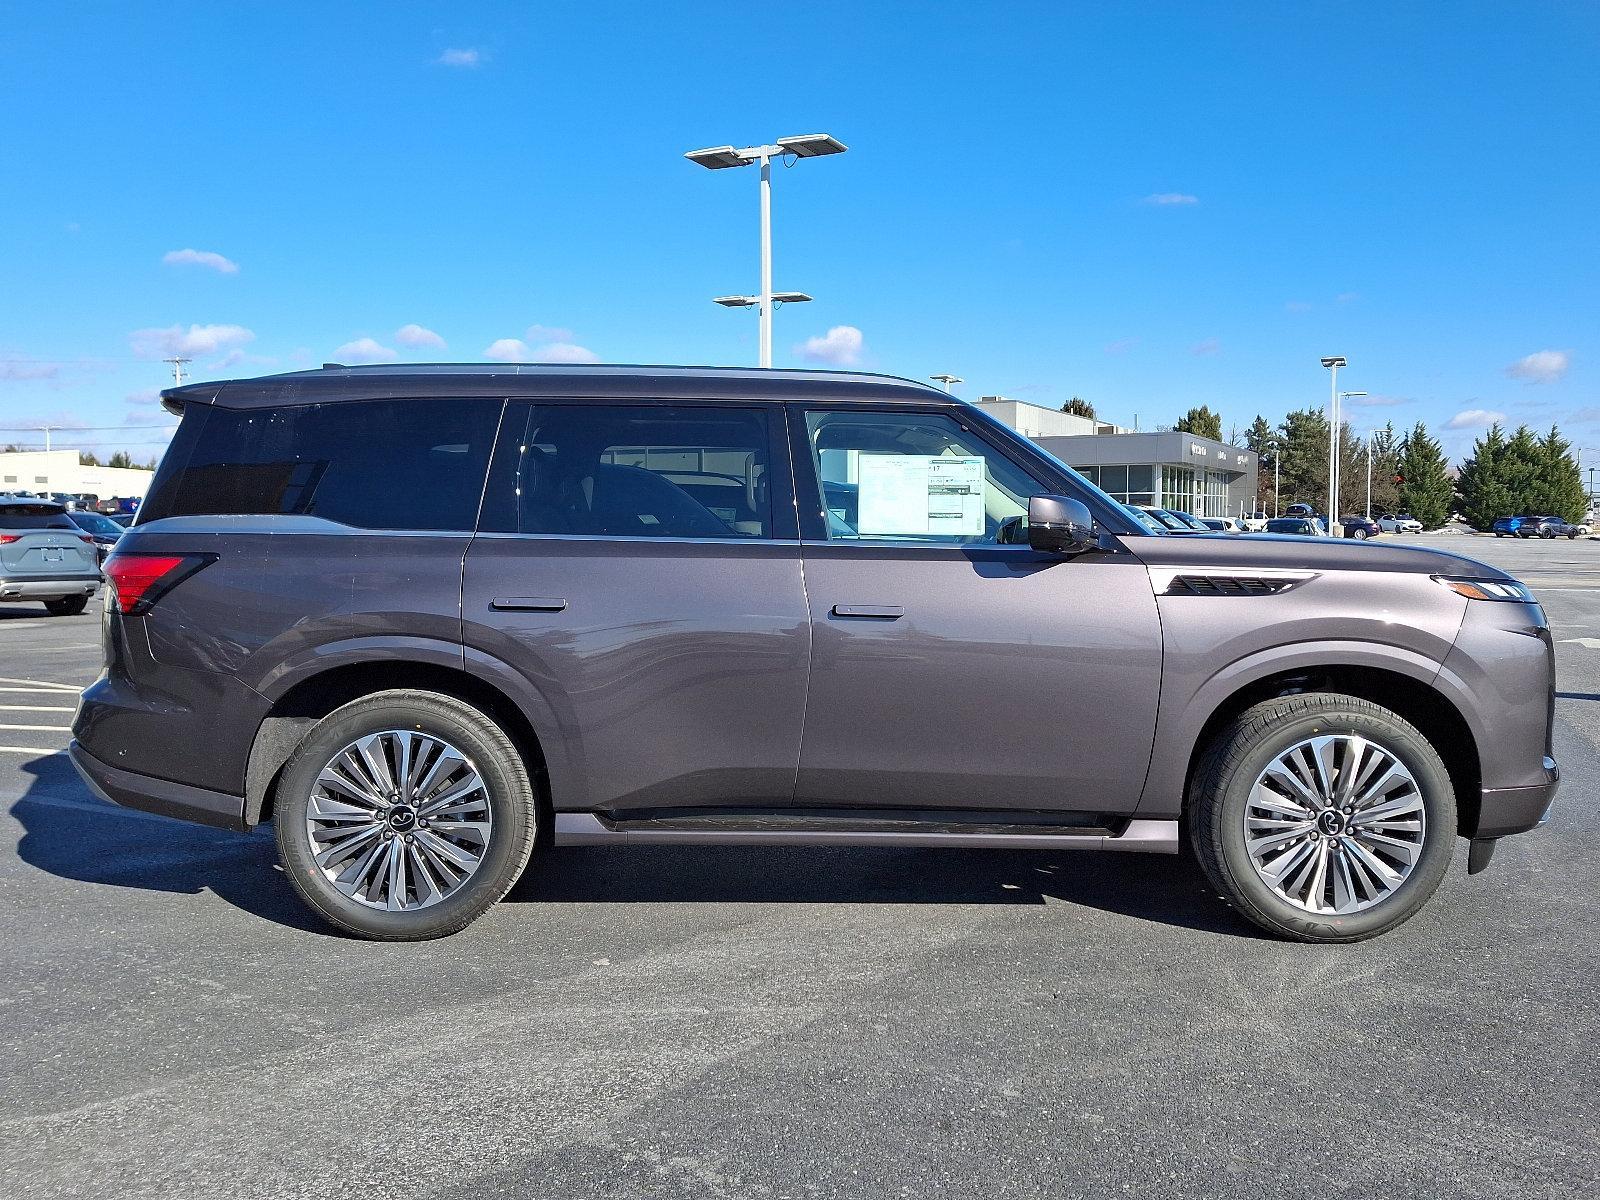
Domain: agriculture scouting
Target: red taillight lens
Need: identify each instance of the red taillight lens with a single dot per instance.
(7, 538)
(86, 537)
(139, 580)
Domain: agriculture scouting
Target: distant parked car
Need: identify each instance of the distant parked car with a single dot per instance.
(1194, 523)
(105, 532)
(1222, 524)
(1299, 510)
(1399, 523)
(1145, 519)
(1254, 523)
(1302, 526)
(44, 556)
(1553, 527)
(1359, 527)
(123, 519)
(1514, 526)
(1169, 520)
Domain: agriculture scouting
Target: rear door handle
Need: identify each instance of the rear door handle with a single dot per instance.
(528, 604)
(883, 612)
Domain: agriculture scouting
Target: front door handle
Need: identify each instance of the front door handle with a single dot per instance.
(528, 604)
(883, 612)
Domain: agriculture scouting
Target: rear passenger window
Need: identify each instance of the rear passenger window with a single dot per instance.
(651, 471)
(34, 516)
(372, 464)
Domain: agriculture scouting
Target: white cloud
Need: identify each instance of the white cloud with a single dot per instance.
(1166, 198)
(841, 346)
(144, 396)
(1347, 297)
(1475, 418)
(1297, 306)
(1542, 366)
(1121, 345)
(467, 58)
(1206, 347)
(544, 343)
(175, 341)
(364, 350)
(12, 369)
(201, 258)
(415, 337)
(1376, 401)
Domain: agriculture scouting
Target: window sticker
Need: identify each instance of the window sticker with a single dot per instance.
(918, 495)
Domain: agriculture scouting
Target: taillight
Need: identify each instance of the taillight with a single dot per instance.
(7, 538)
(139, 580)
(86, 537)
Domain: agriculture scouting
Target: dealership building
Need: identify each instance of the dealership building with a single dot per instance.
(43, 471)
(1166, 469)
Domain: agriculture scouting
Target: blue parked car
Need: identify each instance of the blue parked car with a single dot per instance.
(1524, 526)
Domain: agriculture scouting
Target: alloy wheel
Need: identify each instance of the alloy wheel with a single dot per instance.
(1335, 824)
(399, 820)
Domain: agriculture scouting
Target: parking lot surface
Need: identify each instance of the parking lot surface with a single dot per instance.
(796, 1022)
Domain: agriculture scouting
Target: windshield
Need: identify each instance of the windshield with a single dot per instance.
(96, 524)
(1145, 520)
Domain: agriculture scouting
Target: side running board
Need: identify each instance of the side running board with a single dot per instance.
(591, 829)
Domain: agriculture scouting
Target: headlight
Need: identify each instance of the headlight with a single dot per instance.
(1487, 589)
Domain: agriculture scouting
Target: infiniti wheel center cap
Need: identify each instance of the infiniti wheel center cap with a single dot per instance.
(402, 818)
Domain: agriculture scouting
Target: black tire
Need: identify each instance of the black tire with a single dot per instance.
(1227, 771)
(67, 606)
(1360, 535)
(513, 808)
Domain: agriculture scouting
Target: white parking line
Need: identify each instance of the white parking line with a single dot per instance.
(30, 750)
(35, 708)
(40, 728)
(37, 685)
(24, 625)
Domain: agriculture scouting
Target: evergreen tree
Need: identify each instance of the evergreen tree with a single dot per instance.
(1385, 464)
(1260, 437)
(1558, 487)
(1201, 422)
(1426, 492)
(1079, 407)
(86, 458)
(1485, 493)
(1304, 471)
(120, 459)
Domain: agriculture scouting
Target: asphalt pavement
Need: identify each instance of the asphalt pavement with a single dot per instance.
(784, 1023)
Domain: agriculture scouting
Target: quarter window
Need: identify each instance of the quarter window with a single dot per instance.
(652, 471)
(913, 477)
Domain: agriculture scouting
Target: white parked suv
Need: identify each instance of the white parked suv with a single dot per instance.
(1404, 523)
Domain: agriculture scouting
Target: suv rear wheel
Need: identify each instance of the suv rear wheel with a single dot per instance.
(404, 815)
(1323, 817)
(67, 606)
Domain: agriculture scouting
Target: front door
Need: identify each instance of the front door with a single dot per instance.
(950, 671)
(634, 565)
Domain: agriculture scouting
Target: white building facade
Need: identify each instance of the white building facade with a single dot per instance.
(41, 471)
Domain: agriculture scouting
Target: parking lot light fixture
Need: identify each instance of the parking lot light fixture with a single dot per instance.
(1333, 362)
(947, 381)
(717, 158)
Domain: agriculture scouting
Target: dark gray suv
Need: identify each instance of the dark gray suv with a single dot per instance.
(429, 619)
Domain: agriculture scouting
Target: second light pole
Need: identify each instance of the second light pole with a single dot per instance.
(811, 145)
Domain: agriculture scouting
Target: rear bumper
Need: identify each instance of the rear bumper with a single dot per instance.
(161, 796)
(1505, 811)
(36, 587)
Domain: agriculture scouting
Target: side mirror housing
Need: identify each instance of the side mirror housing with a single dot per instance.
(1058, 525)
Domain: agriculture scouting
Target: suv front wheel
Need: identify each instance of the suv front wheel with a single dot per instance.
(404, 815)
(1322, 817)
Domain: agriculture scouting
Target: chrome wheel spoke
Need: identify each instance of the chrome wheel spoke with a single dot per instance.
(398, 820)
(1335, 824)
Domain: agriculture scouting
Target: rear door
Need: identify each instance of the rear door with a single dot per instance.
(638, 565)
(40, 541)
(950, 670)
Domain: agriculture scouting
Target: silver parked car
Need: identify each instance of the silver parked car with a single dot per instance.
(44, 556)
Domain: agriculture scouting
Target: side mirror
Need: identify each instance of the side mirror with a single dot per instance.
(1058, 525)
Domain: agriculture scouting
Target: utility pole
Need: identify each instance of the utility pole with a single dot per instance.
(178, 372)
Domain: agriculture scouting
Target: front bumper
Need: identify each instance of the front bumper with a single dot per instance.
(34, 587)
(1505, 811)
(162, 796)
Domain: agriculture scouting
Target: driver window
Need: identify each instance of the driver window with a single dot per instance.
(915, 477)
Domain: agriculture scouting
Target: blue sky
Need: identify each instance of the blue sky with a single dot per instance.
(1149, 206)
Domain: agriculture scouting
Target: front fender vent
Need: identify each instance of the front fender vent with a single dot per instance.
(1228, 585)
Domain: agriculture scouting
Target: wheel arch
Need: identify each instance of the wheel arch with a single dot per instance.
(1436, 716)
(312, 696)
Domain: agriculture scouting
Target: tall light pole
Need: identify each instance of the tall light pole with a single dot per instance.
(1333, 363)
(811, 145)
(949, 381)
